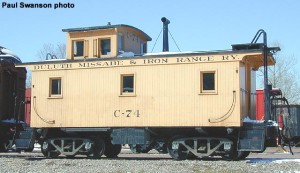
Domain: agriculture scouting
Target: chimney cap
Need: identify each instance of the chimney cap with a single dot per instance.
(165, 20)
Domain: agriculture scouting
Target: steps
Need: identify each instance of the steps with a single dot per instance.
(26, 139)
(252, 137)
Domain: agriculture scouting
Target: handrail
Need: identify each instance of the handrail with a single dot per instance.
(266, 86)
(228, 113)
(35, 110)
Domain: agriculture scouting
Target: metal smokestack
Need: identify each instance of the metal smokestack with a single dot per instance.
(165, 34)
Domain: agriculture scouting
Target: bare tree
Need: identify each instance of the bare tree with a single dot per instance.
(283, 76)
(51, 51)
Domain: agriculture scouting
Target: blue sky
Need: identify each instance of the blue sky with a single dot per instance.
(196, 25)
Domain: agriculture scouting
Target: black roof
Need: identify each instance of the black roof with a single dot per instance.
(7, 55)
(104, 27)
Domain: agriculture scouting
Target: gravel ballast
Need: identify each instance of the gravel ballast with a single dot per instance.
(142, 163)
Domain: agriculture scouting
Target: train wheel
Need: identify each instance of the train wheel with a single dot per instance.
(48, 150)
(191, 156)
(236, 155)
(111, 150)
(243, 154)
(176, 150)
(162, 150)
(233, 154)
(97, 148)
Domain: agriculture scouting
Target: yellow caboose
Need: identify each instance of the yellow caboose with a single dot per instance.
(109, 91)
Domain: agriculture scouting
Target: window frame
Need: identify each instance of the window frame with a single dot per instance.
(73, 48)
(215, 91)
(51, 95)
(130, 94)
(96, 48)
(143, 48)
(100, 46)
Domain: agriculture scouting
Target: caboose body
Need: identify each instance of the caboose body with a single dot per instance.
(109, 91)
(174, 90)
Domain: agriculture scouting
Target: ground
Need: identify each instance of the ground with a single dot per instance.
(272, 160)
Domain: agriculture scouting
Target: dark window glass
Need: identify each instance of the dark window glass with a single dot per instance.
(78, 48)
(128, 84)
(208, 81)
(120, 42)
(55, 86)
(143, 48)
(105, 47)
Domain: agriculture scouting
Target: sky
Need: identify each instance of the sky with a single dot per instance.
(196, 25)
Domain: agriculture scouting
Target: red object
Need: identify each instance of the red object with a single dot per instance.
(280, 120)
(27, 105)
(260, 105)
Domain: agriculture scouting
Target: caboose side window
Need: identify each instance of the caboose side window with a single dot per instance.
(55, 87)
(143, 48)
(105, 46)
(208, 82)
(127, 84)
(78, 48)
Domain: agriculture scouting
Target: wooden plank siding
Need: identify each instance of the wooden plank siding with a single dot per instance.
(132, 40)
(166, 94)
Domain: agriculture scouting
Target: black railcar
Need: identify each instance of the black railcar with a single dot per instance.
(12, 104)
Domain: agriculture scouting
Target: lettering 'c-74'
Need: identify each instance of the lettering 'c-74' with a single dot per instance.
(126, 113)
